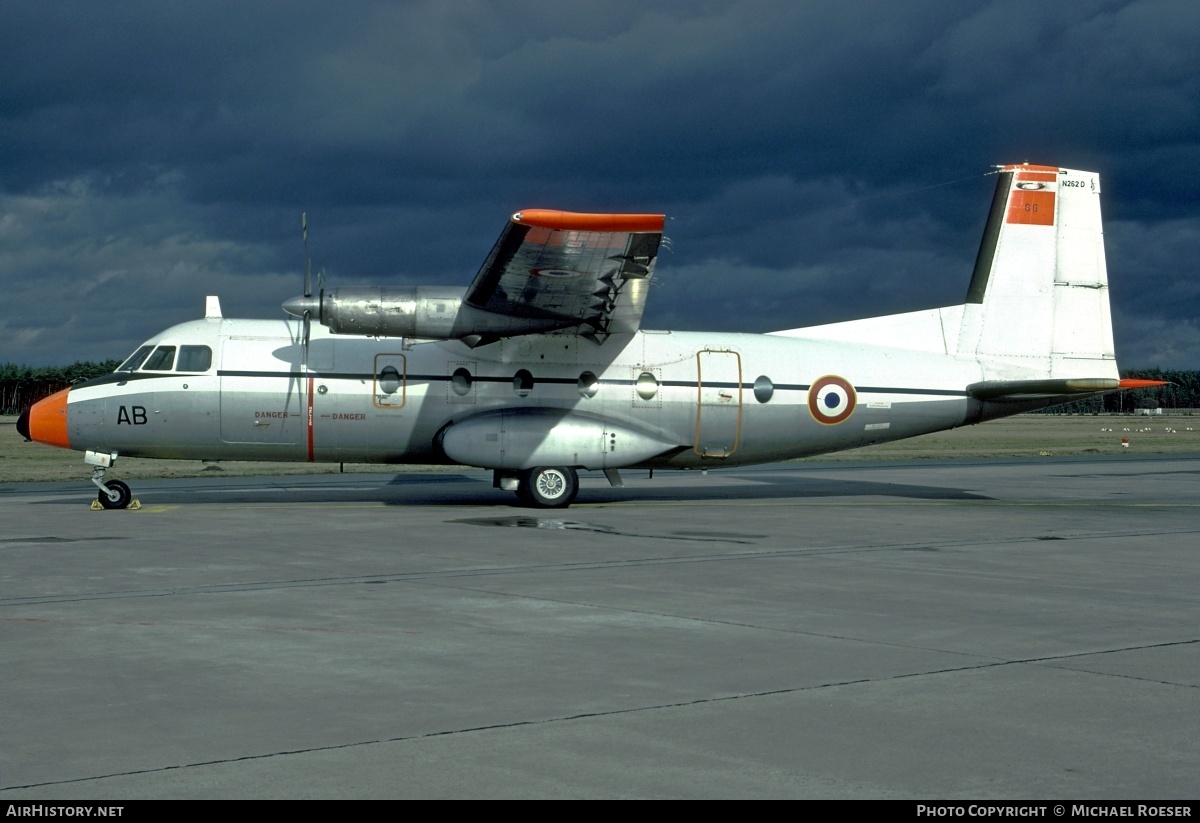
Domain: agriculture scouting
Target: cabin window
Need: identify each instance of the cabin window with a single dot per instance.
(523, 383)
(588, 384)
(647, 385)
(460, 381)
(194, 358)
(136, 359)
(389, 380)
(162, 359)
(763, 389)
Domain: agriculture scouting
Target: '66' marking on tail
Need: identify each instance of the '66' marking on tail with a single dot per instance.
(831, 400)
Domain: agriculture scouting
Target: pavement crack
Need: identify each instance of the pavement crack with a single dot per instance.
(632, 710)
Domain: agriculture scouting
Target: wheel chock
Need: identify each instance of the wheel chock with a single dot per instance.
(134, 505)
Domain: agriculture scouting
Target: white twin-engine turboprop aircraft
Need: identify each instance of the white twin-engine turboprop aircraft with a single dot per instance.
(538, 368)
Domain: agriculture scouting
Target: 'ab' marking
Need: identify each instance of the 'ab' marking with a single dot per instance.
(138, 418)
(831, 400)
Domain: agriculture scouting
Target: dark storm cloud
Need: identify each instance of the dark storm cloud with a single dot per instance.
(153, 153)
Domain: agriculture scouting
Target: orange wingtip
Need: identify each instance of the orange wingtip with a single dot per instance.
(1134, 383)
(1028, 167)
(48, 420)
(574, 221)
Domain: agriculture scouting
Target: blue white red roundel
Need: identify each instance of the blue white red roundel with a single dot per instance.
(831, 400)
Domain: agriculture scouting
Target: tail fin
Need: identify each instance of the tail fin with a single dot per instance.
(1038, 301)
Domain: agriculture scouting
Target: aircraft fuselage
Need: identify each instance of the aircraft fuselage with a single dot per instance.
(694, 399)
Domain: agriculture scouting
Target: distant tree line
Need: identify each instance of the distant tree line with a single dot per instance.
(22, 386)
(1181, 392)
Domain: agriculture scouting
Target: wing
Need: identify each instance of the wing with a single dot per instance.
(560, 269)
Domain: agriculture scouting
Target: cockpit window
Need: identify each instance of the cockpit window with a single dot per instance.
(191, 359)
(194, 358)
(162, 359)
(136, 359)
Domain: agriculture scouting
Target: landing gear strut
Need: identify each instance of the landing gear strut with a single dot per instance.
(113, 493)
(548, 487)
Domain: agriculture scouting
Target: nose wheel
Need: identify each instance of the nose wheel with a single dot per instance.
(548, 487)
(114, 495)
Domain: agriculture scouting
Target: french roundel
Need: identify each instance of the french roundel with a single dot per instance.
(831, 400)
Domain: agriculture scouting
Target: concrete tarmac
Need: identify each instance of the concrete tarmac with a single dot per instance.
(974, 630)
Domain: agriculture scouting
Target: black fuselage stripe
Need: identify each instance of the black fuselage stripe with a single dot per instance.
(120, 377)
(567, 381)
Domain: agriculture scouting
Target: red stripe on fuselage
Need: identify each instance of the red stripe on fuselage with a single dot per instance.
(310, 420)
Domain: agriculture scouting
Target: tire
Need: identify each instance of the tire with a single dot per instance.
(124, 495)
(549, 487)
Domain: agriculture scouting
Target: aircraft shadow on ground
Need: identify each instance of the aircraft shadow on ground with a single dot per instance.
(452, 489)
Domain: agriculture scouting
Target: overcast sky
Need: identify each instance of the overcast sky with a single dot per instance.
(817, 161)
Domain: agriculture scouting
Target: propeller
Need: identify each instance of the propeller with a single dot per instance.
(305, 305)
(307, 281)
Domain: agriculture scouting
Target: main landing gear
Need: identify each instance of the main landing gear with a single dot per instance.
(113, 493)
(544, 487)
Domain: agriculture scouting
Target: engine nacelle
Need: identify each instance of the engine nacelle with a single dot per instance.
(427, 312)
(525, 438)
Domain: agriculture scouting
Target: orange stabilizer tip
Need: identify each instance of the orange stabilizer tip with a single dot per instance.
(1135, 383)
(1038, 176)
(1028, 167)
(48, 420)
(574, 221)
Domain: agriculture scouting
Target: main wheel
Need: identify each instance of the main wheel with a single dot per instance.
(124, 495)
(548, 487)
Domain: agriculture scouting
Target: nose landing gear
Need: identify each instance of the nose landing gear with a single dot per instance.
(113, 493)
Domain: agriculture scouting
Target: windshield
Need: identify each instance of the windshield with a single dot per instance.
(162, 359)
(136, 359)
(149, 358)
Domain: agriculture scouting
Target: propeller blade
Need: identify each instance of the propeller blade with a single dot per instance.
(307, 267)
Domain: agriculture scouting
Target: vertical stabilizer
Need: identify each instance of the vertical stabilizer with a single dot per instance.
(1038, 300)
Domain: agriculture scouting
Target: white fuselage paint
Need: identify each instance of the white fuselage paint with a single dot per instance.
(356, 399)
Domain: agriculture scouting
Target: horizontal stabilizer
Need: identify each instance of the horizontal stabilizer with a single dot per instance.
(1017, 390)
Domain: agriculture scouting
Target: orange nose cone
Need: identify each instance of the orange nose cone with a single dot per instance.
(48, 420)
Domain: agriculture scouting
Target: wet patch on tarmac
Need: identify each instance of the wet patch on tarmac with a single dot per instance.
(560, 524)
